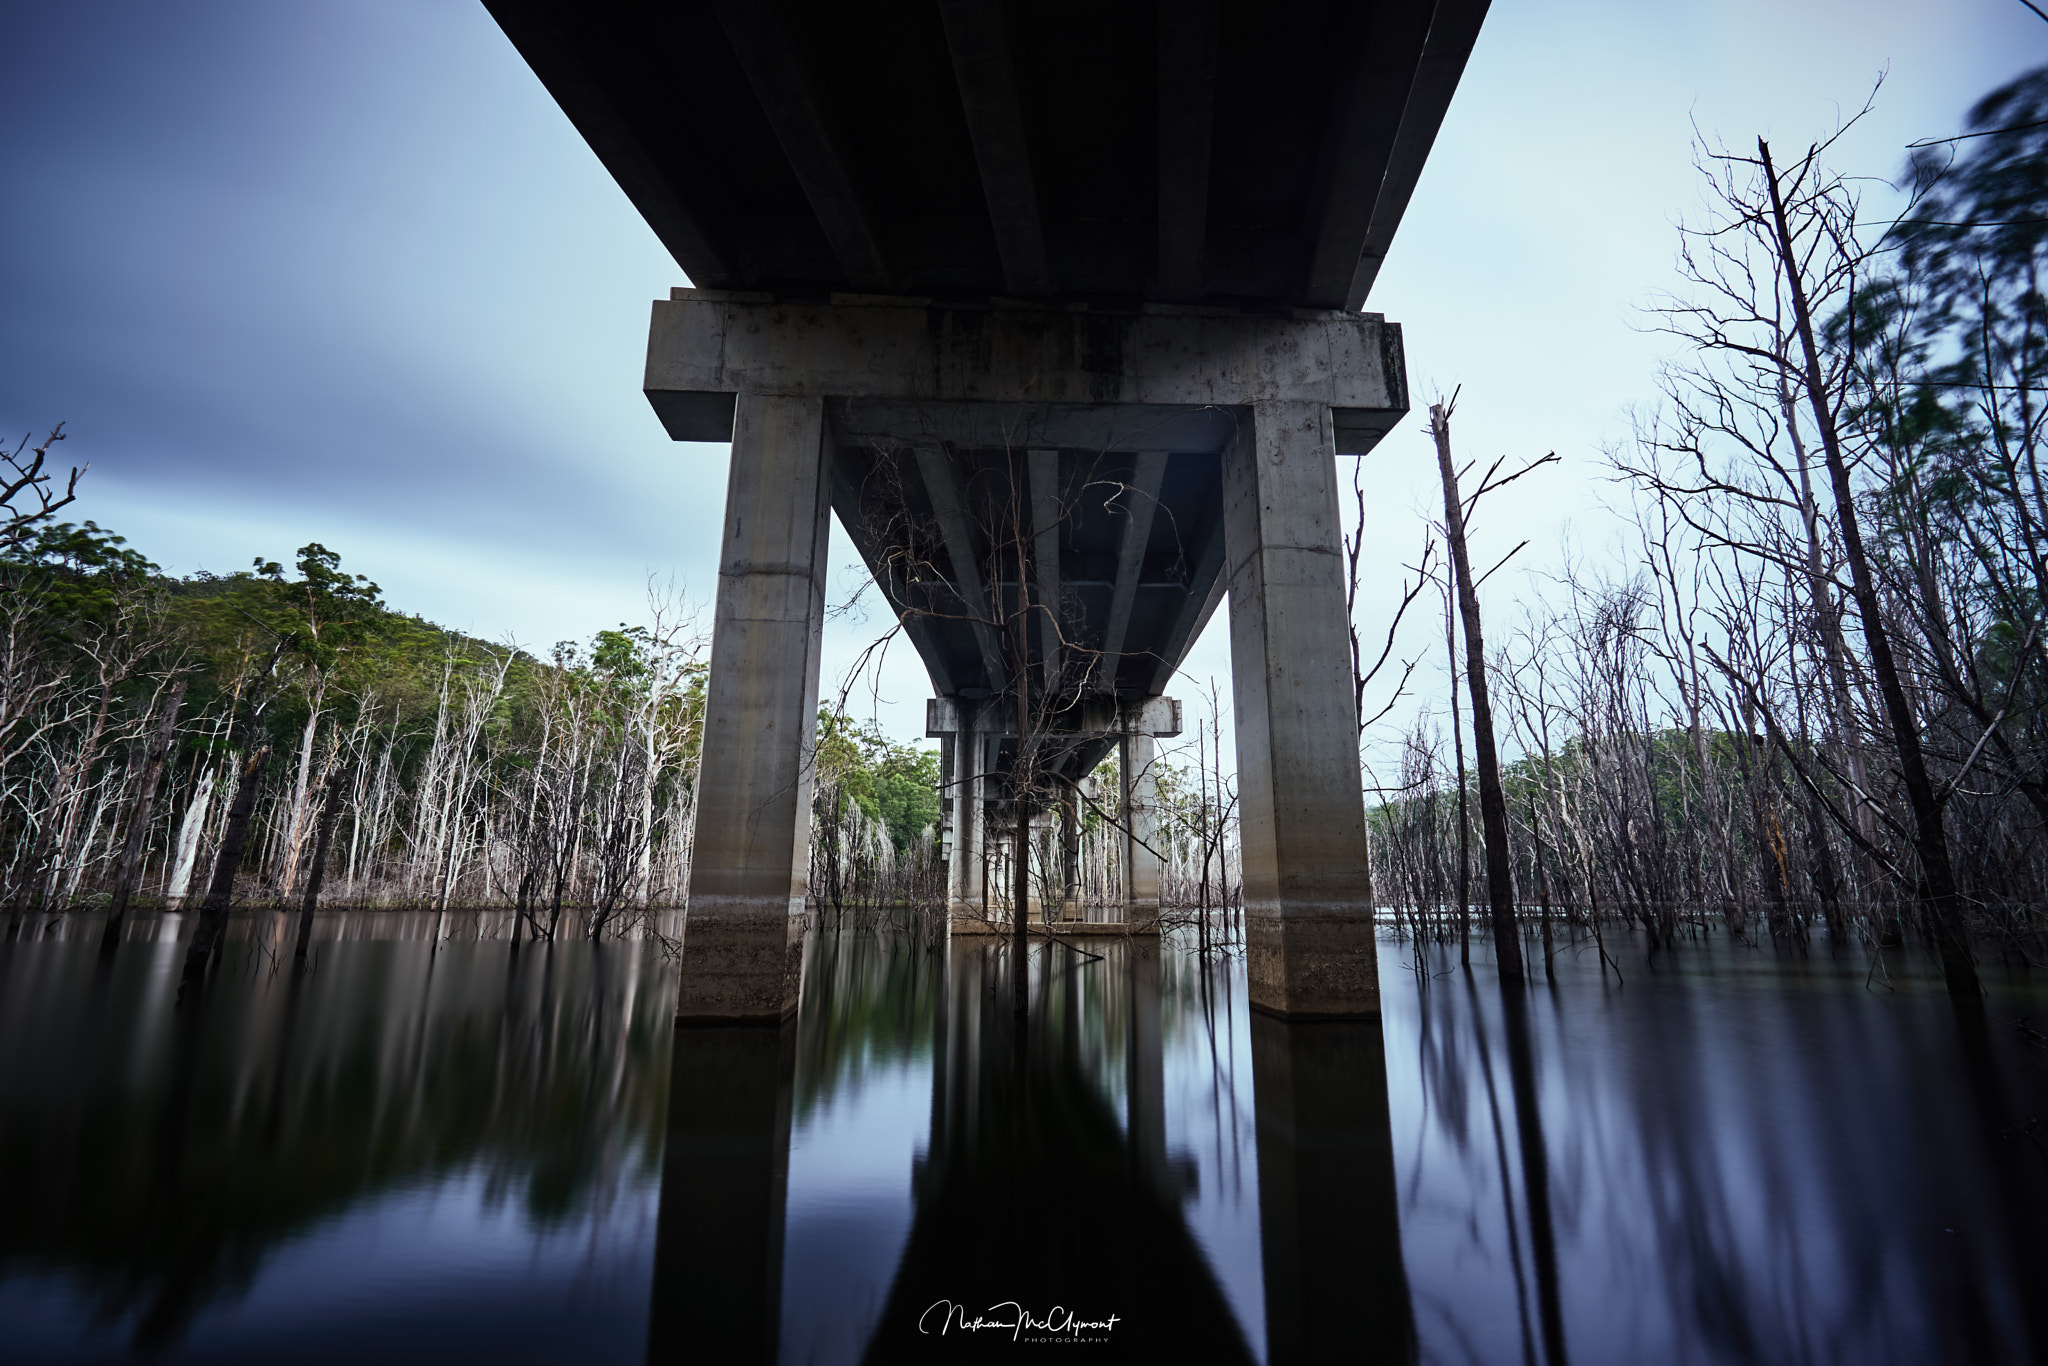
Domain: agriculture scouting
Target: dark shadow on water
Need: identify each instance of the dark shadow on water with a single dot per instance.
(1035, 1194)
(724, 1181)
(1329, 1218)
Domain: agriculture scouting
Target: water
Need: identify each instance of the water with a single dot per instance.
(433, 1149)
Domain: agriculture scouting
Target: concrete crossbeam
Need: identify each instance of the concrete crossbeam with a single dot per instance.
(705, 344)
(750, 851)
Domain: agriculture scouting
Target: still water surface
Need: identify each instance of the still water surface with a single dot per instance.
(431, 1148)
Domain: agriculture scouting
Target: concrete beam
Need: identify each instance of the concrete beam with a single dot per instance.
(1310, 949)
(1141, 500)
(710, 343)
(1160, 717)
(1187, 116)
(750, 862)
(679, 207)
(767, 51)
(916, 624)
(1205, 591)
(935, 467)
(978, 35)
(1097, 428)
(1358, 144)
(1453, 29)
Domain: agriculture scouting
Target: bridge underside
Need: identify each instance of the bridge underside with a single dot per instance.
(1053, 501)
(1058, 305)
(1248, 153)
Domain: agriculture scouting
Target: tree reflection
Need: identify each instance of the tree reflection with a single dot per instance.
(158, 1158)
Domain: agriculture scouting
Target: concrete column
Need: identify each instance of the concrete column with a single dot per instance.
(1307, 889)
(750, 860)
(965, 874)
(1136, 752)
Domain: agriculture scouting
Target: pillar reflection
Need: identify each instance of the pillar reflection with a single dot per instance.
(1043, 1187)
(1329, 1222)
(724, 1183)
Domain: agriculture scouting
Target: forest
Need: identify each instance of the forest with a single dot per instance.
(1813, 694)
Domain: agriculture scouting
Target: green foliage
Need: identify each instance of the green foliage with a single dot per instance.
(897, 784)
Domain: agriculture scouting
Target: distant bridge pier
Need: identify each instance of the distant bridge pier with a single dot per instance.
(1121, 468)
(1137, 774)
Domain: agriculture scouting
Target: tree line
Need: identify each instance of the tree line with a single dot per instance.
(1816, 695)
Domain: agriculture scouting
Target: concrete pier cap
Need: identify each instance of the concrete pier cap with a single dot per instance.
(1258, 405)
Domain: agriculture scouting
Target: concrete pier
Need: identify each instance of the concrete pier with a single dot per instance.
(1123, 469)
(1307, 888)
(750, 861)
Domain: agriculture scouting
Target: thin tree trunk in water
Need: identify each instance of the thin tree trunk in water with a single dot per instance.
(1937, 876)
(1493, 803)
(1464, 822)
(138, 817)
(213, 914)
(1542, 883)
(317, 874)
(1020, 944)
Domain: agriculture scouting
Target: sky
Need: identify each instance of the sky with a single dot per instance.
(339, 270)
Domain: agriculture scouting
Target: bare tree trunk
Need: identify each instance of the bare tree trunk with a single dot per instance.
(317, 874)
(1493, 805)
(138, 816)
(213, 914)
(1020, 896)
(1937, 876)
(1464, 822)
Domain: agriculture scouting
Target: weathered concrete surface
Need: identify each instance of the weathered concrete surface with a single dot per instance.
(1307, 890)
(704, 344)
(743, 935)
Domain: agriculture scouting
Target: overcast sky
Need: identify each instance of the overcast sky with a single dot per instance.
(340, 270)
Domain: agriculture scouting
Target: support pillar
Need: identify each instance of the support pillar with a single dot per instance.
(1307, 888)
(750, 859)
(1136, 753)
(965, 875)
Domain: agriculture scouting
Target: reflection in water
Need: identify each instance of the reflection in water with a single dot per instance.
(316, 1165)
(426, 1146)
(1742, 1159)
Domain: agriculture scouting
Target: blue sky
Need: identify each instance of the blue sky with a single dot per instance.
(339, 270)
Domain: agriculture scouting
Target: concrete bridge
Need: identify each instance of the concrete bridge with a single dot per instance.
(1059, 308)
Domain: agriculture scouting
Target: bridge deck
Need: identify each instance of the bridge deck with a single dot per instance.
(1256, 153)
